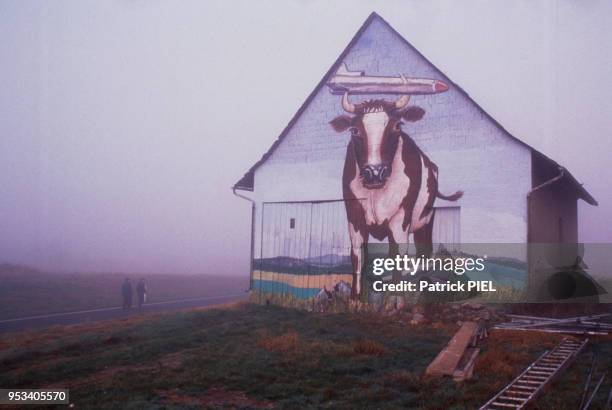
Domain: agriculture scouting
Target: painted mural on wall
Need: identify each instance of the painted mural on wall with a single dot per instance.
(313, 251)
(395, 182)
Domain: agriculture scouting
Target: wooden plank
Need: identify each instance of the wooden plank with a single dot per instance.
(465, 368)
(447, 360)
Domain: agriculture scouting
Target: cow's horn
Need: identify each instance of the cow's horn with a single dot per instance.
(348, 107)
(403, 100)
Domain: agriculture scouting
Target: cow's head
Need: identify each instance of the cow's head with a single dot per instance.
(375, 131)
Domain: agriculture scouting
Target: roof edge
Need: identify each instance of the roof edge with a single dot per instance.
(247, 182)
(582, 193)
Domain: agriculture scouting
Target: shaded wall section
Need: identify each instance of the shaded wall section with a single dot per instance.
(553, 209)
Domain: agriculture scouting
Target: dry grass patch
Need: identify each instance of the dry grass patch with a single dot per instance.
(106, 377)
(291, 342)
(523, 339)
(319, 347)
(499, 363)
(215, 397)
(368, 348)
(403, 378)
(283, 343)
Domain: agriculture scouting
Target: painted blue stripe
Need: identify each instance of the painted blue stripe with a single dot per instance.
(270, 286)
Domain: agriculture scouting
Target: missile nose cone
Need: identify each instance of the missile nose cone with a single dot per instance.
(440, 87)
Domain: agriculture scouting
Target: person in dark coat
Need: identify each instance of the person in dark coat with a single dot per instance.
(141, 291)
(126, 291)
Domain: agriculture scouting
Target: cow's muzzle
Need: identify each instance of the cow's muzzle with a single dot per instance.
(374, 176)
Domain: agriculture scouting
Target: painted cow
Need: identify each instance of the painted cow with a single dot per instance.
(389, 184)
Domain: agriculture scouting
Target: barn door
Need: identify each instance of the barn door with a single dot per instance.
(304, 247)
(447, 227)
(284, 247)
(330, 245)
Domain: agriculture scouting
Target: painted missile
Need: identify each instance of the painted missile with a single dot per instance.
(356, 82)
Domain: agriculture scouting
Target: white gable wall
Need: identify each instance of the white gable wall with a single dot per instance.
(472, 153)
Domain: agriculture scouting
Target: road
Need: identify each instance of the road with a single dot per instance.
(93, 315)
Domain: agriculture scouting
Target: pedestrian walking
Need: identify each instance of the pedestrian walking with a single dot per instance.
(126, 292)
(141, 291)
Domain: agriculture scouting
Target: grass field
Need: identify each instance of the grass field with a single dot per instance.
(27, 292)
(250, 356)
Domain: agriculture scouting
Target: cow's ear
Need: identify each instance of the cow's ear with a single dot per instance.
(341, 123)
(413, 114)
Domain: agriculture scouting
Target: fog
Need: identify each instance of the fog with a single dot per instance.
(123, 124)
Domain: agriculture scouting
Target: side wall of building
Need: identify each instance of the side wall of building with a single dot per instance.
(553, 224)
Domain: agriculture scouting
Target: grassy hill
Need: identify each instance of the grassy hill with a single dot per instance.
(25, 291)
(250, 356)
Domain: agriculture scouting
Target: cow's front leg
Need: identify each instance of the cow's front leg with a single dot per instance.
(398, 240)
(398, 245)
(423, 238)
(358, 241)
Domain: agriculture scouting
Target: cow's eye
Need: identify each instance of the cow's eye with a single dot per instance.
(354, 132)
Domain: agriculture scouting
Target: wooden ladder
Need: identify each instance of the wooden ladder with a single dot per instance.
(528, 385)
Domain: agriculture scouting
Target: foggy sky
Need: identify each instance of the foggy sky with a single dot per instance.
(124, 123)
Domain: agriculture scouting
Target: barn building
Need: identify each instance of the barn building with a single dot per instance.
(512, 193)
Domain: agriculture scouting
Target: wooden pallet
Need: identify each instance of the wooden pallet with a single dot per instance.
(533, 380)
